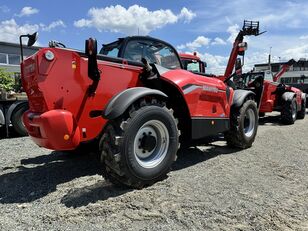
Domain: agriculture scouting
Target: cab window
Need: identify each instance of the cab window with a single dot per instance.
(111, 49)
(191, 65)
(153, 52)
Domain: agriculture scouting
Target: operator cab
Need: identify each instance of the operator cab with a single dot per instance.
(254, 81)
(136, 48)
(191, 62)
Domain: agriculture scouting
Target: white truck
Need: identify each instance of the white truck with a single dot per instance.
(12, 107)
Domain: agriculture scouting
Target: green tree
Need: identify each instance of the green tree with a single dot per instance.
(7, 82)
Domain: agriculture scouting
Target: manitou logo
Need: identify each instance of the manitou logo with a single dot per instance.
(210, 88)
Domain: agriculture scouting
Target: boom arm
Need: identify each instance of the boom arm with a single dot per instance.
(285, 67)
(249, 28)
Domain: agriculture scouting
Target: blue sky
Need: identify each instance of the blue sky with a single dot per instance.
(205, 26)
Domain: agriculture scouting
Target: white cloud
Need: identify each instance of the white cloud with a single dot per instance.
(303, 37)
(10, 30)
(218, 41)
(216, 64)
(233, 30)
(186, 14)
(200, 41)
(27, 11)
(52, 25)
(286, 46)
(297, 52)
(131, 20)
(291, 15)
(181, 47)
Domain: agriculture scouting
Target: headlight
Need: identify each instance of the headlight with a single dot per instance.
(49, 55)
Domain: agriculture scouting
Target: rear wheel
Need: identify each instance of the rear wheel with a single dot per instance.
(17, 122)
(243, 125)
(138, 150)
(289, 112)
(302, 113)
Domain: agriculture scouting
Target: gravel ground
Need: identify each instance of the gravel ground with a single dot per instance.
(210, 188)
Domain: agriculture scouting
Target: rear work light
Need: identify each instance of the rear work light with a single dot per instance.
(49, 55)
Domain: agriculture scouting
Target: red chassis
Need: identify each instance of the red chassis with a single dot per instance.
(137, 111)
(60, 106)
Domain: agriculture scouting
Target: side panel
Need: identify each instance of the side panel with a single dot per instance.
(203, 127)
(269, 100)
(62, 84)
(205, 96)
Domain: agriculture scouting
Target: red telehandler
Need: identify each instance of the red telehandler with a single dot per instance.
(138, 107)
(274, 96)
(192, 62)
(270, 95)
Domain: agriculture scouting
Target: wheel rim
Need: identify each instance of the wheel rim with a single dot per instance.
(151, 144)
(294, 109)
(249, 122)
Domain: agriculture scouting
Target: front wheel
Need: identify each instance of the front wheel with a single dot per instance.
(243, 125)
(289, 112)
(138, 150)
(302, 113)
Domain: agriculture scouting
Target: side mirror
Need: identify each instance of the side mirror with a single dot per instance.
(91, 52)
(32, 39)
(91, 47)
(242, 47)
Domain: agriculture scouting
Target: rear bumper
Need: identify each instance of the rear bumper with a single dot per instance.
(55, 129)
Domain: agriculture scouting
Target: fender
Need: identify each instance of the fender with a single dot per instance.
(304, 96)
(240, 96)
(2, 120)
(120, 102)
(288, 96)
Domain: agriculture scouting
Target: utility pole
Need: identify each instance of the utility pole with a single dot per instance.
(269, 60)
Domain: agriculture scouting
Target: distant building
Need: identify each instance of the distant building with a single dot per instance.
(10, 56)
(293, 76)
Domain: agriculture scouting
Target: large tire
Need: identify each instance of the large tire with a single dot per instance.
(302, 113)
(289, 112)
(243, 125)
(16, 120)
(138, 149)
